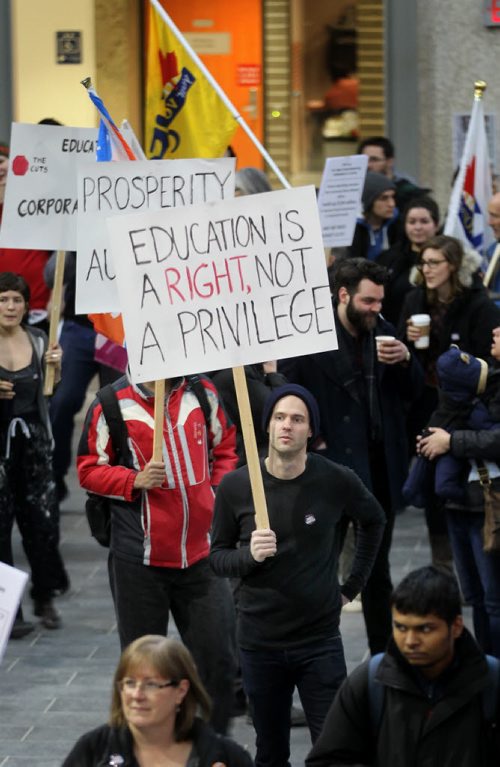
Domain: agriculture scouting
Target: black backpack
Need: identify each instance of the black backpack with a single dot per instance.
(98, 507)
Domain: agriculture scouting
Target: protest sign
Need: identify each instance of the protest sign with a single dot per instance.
(115, 188)
(223, 284)
(339, 199)
(12, 585)
(40, 198)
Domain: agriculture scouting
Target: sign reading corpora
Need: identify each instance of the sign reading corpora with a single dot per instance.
(117, 188)
(40, 203)
(224, 284)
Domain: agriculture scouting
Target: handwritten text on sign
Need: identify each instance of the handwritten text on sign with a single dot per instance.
(40, 199)
(339, 199)
(225, 284)
(114, 188)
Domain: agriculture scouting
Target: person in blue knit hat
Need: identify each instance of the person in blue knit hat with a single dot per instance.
(290, 598)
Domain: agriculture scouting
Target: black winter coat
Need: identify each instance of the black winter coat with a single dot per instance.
(95, 748)
(451, 732)
(330, 377)
(399, 261)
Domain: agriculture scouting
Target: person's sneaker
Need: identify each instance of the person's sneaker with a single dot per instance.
(21, 628)
(297, 717)
(49, 616)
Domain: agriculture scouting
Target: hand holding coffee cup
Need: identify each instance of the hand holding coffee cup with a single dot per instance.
(385, 345)
(418, 330)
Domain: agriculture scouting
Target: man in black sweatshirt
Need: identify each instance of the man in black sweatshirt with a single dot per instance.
(290, 599)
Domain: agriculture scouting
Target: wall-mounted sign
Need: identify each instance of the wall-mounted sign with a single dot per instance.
(248, 74)
(209, 42)
(69, 47)
(492, 13)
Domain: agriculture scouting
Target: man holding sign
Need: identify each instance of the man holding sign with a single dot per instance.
(290, 600)
(161, 512)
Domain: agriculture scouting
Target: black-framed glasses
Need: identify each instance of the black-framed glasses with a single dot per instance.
(149, 686)
(432, 263)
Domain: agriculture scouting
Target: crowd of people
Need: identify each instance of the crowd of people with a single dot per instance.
(337, 432)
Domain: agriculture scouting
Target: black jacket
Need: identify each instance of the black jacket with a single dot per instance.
(95, 748)
(399, 261)
(330, 377)
(450, 731)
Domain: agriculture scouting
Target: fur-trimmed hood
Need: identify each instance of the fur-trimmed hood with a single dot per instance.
(468, 268)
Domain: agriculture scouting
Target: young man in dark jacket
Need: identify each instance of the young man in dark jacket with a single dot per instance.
(437, 706)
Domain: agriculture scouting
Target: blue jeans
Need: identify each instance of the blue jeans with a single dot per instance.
(269, 679)
(479, 576)
(78, 369)
(202, 607)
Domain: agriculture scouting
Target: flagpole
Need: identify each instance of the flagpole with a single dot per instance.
(239, 119)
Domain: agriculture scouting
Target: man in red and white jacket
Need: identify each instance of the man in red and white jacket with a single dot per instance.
(161, 514)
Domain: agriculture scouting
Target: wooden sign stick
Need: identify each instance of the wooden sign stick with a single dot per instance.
(256, 483)
(159, 417)
(55, 316)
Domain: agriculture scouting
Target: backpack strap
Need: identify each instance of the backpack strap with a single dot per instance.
(116, 425)
(196, 384)
(376, 694)
(490, 696)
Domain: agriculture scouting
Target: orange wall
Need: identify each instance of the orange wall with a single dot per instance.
(243, 22)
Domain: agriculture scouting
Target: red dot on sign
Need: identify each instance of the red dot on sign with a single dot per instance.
(20, 165)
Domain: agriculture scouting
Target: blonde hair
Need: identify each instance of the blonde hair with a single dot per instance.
(173, 661)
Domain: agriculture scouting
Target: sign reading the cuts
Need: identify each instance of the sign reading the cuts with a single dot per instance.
(40, 198)
(339, 199)
(115, 188)
(224, 284)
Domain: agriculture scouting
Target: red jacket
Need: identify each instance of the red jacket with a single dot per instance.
(168, 526)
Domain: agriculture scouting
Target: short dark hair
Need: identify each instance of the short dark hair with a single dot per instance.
(425, 202)
(348, 273)
(428, 590)
(381, 141)
(11, 281)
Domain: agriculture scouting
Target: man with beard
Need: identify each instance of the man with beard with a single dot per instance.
(361, 394)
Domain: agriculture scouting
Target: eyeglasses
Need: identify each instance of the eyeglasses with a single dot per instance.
(432, 263)
(149, 686)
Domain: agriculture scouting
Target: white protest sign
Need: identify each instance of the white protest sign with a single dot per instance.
(12, 585)
(115, 188)
(339, 199)
(223, 284)
(40, 198)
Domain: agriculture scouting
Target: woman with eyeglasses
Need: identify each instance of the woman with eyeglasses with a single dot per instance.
(158, 717)
(420, 222)
(449, 288)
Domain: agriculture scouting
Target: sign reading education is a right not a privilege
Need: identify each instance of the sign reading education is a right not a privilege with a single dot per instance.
(224, 284)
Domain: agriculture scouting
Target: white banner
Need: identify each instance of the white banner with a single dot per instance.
(116, 188)
(339, 199)
(224, 284)
(40, 198)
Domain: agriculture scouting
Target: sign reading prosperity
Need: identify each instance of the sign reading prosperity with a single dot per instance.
(224, 284)
(116, 188)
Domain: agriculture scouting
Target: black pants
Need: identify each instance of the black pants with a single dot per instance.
(202, 607)
(28, 496)
(377, 592)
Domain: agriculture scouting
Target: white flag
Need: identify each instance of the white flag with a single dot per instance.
(467, 217)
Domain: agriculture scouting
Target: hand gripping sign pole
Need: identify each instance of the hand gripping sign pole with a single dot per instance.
(55, 315)
(239, 119)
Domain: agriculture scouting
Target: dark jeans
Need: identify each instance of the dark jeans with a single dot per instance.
(479, 576)
(78, 369)
(202, 607)
(270, 677)
(28, 495)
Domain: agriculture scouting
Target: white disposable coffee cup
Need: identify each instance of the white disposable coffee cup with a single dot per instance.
(423, 323)
(382, 339)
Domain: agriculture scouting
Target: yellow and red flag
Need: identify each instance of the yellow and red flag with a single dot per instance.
(185, 116)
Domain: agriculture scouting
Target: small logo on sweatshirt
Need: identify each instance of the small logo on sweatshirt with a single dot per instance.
(309, 519)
